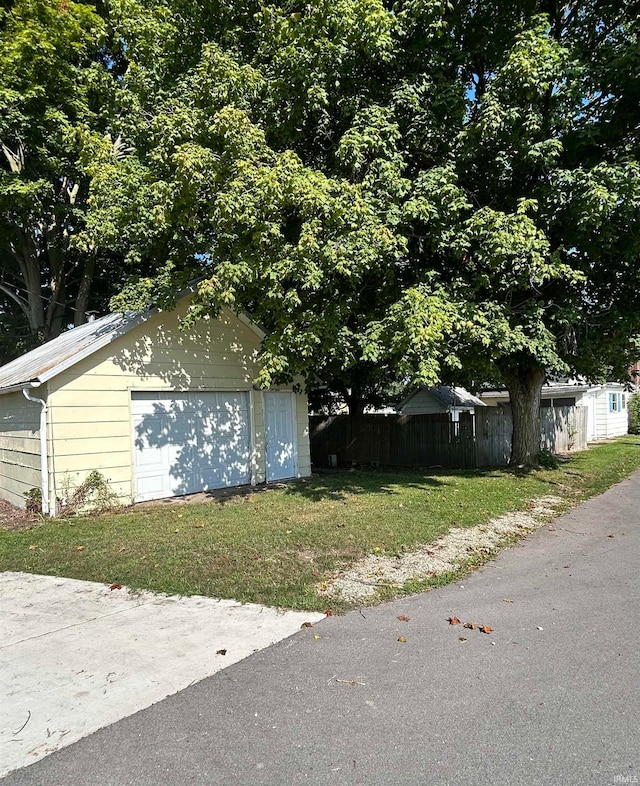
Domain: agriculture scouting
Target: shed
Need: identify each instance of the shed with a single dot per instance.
(159, 411)
(438, 399)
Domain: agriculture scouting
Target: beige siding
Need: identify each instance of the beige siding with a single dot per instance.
(304, 451)
(90, 403)
(19, 447)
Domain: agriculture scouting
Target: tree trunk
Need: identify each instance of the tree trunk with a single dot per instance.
(354, 401)
(524, 384)
(82, 301)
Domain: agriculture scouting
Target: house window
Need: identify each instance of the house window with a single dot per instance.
(615, 402)
(624, 401)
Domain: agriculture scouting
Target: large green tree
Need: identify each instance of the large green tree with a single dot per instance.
(429, 189)
(60, 63)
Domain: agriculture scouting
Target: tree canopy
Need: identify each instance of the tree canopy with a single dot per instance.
(420, 189)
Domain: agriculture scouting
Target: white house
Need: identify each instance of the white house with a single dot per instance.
(606, 404)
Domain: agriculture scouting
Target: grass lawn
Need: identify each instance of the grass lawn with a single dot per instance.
(275, 545)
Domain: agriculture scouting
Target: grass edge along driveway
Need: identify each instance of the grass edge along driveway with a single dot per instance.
(277, 546)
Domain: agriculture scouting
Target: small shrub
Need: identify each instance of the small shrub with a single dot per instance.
(34, 500)
(547, 459)
(92, 494)
(633, 410)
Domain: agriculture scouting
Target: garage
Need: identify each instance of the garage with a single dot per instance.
(188, 442)
(157, 409)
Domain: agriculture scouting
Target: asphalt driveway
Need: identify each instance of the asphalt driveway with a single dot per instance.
(396, 695)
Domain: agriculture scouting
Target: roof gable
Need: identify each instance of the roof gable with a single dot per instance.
(52, 358)
(447, 396)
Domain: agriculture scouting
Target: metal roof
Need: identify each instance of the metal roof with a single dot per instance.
(455, 397)
(69, 348)
(448, 396)
(50, 359)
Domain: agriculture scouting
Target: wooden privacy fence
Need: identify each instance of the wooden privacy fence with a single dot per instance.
(480, 440)
(393, 440)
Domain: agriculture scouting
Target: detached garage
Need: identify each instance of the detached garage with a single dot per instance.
(158, 411)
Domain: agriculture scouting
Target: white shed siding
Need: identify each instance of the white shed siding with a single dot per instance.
(90, 404)
(19, 448)
(610, 424)
(423, 403)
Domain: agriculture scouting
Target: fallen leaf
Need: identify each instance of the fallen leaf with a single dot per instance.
(403, 618)
(79, 548)
(431, 553)
(507, 600)
(176, 530)
(461, 638)
(221, 652)
(120, 551)
(157, 565)
(316, 636)
(471, 625)
(32, 547)
(289, 531)
(307, 625)
(486, 629)
(612, 535)
(199, 525)
(402, 639)
(328, 613)
(454, 621)
(115, 586)
(539, 628)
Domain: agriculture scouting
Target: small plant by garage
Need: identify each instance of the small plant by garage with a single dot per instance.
(93, 494)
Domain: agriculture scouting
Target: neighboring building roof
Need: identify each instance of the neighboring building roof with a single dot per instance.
(47, 361)
(554, 389)
(448, 396)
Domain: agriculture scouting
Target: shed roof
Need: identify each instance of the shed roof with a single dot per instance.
(448, 396)
(55, 356)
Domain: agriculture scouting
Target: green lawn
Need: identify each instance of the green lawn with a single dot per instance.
(274, 546)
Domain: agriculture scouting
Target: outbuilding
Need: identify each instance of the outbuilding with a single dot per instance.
(438, 399)
(159, 411)
(606, 404)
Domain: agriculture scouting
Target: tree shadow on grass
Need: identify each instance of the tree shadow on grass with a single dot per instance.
(338, 484)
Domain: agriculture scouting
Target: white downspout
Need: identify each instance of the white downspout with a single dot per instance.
(44, 463)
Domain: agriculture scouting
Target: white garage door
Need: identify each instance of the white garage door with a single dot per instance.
(188, 442)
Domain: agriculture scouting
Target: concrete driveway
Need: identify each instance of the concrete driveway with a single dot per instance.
(76, 656)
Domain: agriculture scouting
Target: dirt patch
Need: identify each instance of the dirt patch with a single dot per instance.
(362, 580)
(15, 518)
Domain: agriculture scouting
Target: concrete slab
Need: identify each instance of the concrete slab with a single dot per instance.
(76, 656)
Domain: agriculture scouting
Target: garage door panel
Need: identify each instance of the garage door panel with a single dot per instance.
(189, 442)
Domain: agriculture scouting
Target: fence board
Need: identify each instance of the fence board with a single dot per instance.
(480, 440)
